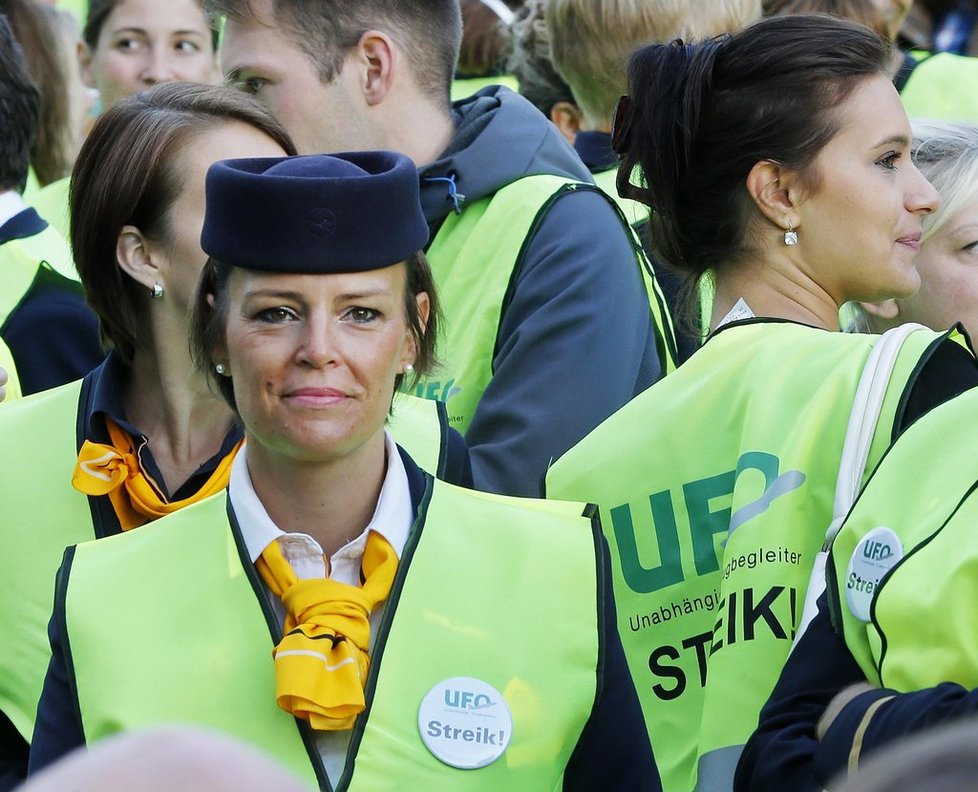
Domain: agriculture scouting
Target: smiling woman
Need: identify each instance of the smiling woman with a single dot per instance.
(364, 621)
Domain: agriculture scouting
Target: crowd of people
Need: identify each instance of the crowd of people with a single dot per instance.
(547, 394)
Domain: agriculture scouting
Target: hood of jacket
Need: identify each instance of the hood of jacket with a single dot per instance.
(499, 138)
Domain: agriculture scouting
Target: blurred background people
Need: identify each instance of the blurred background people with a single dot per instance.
(591, 44)
(481, 57)
(51, 335)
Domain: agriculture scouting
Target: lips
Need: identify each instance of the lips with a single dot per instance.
(316, 397)
(911, 241)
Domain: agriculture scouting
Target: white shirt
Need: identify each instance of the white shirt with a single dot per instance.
(392, 519)
(11, 204)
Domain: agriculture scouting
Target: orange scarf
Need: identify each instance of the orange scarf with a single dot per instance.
(114, 470)
(321, 663)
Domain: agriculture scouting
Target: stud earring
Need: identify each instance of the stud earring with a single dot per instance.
(791, 237)
(221, 369)
(408, 368)
(157, 291)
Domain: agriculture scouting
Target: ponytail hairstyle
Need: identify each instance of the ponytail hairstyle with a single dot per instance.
(700, 116)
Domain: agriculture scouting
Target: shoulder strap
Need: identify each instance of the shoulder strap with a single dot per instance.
(863, 418)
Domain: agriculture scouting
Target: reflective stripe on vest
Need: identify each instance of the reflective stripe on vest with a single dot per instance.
(716, 486)
(473, 258)
(943, 86)
(924, 491)
(42, 515)
(460, 606)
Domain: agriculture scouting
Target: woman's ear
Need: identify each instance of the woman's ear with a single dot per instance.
(84, 53)
(134, 258)
(774, 191)
(424, 311)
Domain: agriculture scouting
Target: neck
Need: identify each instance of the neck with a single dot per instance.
(776, 289)
(420, 129)
(333, 502)
(170, 402)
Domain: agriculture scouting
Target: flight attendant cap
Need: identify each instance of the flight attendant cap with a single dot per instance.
(314, 214)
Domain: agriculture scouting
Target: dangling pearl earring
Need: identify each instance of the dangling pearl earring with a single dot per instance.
(790, 237)
(157, 291)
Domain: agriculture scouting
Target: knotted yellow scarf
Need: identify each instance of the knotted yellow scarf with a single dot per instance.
(321, 662)
(114, 470)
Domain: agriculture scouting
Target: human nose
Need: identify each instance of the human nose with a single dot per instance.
(922, 197)
(157, 67)
(317, 343)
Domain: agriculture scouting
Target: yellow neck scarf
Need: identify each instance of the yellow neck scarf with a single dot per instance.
(321, 662)
(114, 470)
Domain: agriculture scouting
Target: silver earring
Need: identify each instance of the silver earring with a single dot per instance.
(221, 369)
(157, 291)
(791, 237)
(408, 368)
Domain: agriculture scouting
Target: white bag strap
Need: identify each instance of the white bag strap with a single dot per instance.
(865, 415)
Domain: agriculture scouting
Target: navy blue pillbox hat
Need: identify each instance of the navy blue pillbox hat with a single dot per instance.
(314, 214)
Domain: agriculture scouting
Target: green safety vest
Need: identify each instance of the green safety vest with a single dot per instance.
(716, 486)
(51, 203)
(464, 87)
(635, 213)
(922, 613)
(459, 607)
(473, 258)
(50, 247)
(943, 86)
(43, 514)
(7, 364)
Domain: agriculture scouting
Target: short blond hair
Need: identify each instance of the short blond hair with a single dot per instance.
(592, 41)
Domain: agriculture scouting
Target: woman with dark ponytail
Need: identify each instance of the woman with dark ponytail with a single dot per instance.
(777, 165)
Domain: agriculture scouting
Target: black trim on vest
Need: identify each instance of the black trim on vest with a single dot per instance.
(61, 618)
(663, 346)
(601, 578)
(899, 564)
(390, 608)
(441, 408)
(275, 634)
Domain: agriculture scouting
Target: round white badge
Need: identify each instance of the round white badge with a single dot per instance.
(465, 723)
(875, 555)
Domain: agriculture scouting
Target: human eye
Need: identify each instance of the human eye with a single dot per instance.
(249, 84)
(889, 160)
(127, 44)
(361, 315)
(186, 46)
(279, 314)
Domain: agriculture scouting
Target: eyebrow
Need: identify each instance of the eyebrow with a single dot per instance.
(298, 297)
(900, 140)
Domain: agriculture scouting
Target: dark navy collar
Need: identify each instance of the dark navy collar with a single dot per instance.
(594, 149)
(22, 225)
